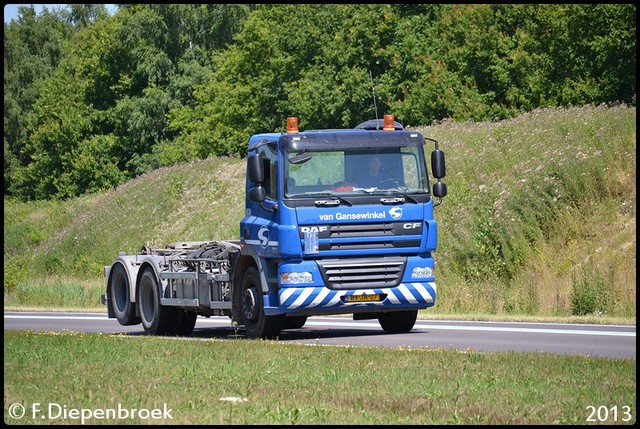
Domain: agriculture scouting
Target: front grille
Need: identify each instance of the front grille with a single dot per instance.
(394, 244)
(362, 236)
(361, 230)
(362, 273)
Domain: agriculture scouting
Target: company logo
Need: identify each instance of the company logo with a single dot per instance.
(304, 229)
(396, 213)
(263, 236)
(411, 225)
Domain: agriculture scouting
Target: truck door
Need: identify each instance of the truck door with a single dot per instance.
(259, 228)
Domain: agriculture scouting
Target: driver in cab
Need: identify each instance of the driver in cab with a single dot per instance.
(375, 176)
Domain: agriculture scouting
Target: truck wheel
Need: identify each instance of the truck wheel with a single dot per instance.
(185, 322)
(398, 322)
(119, 295)
(256, 323)
(156, 319)
(295, 322)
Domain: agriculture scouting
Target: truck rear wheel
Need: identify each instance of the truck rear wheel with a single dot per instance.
(120, 296)
(398, 322)
(156, 319)
(256, 323)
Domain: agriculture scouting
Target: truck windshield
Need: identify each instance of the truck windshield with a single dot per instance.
(356, 171)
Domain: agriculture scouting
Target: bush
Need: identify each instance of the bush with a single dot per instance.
(589, 294)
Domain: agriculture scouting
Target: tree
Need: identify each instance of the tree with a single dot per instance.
(33, 47)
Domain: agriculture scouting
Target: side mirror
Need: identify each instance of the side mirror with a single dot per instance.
(437, 164)
(257, 194)
(255, 169)
(439, 170)
(440, 189)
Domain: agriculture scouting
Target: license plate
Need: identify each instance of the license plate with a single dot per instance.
(363, 298)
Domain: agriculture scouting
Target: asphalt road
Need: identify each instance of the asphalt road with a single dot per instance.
(612, 341)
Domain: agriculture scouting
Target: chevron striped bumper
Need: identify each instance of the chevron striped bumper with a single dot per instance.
(321, 299)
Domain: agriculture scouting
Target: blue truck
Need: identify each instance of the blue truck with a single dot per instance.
(337, 221)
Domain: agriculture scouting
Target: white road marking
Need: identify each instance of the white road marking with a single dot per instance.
(420, 325)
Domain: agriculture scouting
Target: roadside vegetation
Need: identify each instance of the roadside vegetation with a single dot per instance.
(539, 221)
(541, 216)
(205, 381)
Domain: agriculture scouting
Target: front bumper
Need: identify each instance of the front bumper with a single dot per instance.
(322, 300)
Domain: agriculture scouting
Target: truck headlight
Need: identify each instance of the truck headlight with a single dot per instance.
(295, 277)
(421, 272)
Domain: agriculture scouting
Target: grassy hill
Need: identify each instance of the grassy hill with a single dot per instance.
(539, 220)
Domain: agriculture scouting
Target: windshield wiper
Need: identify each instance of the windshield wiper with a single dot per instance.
(405, 197)
(334, 200)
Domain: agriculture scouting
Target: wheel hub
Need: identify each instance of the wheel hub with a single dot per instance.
(250, 304)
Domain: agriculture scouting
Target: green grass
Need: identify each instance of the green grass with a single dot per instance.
(539, 220)
(298, 384)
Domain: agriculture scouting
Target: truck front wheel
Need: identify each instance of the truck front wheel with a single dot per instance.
(294, 322)
(185, 322)
(156, 318)
(256, 323)
(398, 322)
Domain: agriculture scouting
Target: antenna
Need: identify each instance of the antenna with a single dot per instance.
(375, 106)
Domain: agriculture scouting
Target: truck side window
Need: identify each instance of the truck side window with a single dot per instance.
(269, 155)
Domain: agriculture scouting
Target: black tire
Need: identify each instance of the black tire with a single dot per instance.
(295, 322)
(398, 322)
(156, 319)
(256, 323)
(185, 322)
(120, 296)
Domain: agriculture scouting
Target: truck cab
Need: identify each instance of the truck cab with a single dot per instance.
(338, 221)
